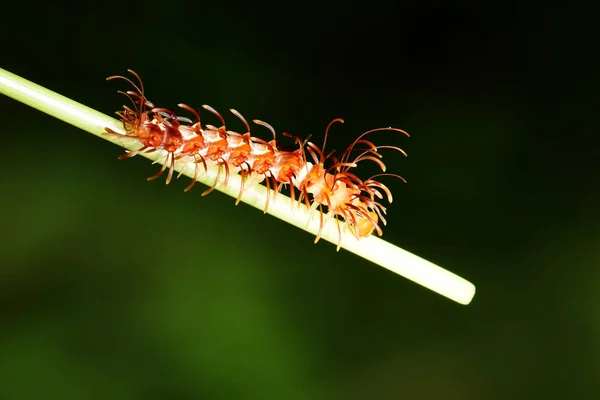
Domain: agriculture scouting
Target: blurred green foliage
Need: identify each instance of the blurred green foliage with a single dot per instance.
(113, 287)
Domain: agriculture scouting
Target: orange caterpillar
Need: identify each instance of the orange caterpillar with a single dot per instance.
(321, 180)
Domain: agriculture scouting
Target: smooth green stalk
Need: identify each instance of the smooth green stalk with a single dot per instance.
(372, 248)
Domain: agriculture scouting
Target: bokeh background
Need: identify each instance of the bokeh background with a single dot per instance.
(115, 288)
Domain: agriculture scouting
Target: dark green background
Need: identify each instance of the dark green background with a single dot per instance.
(115, 288)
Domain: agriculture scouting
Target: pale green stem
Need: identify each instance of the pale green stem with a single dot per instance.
(372, 248)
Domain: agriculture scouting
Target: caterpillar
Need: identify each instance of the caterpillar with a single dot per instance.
(321, 180)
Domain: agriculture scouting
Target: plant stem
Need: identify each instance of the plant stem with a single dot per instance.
(371, 248)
